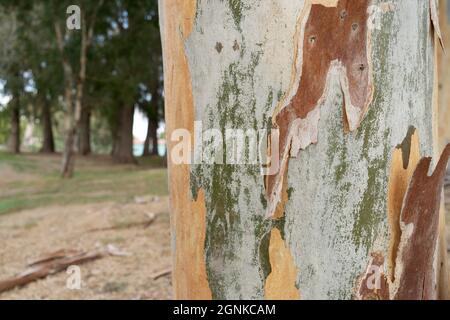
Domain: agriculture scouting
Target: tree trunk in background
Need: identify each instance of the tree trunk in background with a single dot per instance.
(14, 138)
(74, 103)
(123, 145)
(152, 136)
(351, 212)
(48, 143)
(69, 153)
(84, 141)
(146, 151)
(68, 158)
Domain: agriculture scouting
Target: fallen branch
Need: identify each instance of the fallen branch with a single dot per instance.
(144, 224)
(55, 256)
(162, 273)
(116, 252)
(53, 263)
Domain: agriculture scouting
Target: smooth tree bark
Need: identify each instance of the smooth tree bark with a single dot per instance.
(349, 89)
(14, 137)
(48, 141)
(123, 144)
(444, 76)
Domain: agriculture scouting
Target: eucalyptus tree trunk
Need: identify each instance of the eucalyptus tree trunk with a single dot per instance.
(123, 144)
(444, 76)
(84, 141)
(74, 86)
(341, 98)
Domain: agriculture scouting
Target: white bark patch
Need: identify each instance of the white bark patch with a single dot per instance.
(238, 88)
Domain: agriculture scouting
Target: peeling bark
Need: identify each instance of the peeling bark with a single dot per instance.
(420, 225)
(404, 161)
(374, 284)
(434, 13)
(333, 38)
(414, 232)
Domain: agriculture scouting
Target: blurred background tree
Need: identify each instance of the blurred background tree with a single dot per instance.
(78, 91)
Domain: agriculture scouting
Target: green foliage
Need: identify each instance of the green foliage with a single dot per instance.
(124, 63)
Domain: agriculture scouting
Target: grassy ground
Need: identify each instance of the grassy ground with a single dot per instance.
(42, 213)
(30, 181)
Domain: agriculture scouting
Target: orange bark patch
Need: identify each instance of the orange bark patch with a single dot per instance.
(414, 216)
(280, 284)
(190, 278)
(279, 211)
(404, 162)
(188, 217)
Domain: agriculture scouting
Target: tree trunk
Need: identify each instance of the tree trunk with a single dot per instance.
(154, 135)
(48, 143)
(123, 145)
(14, 138)
(444, 77)
(68, 161)
(345, 208)
(69, 154)
(84, 141)
(151, 137)
(74, 106)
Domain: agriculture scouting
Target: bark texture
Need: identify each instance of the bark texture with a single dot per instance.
(444, 76)
(336, 215)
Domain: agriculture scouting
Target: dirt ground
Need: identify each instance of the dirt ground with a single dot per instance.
(28, 235)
